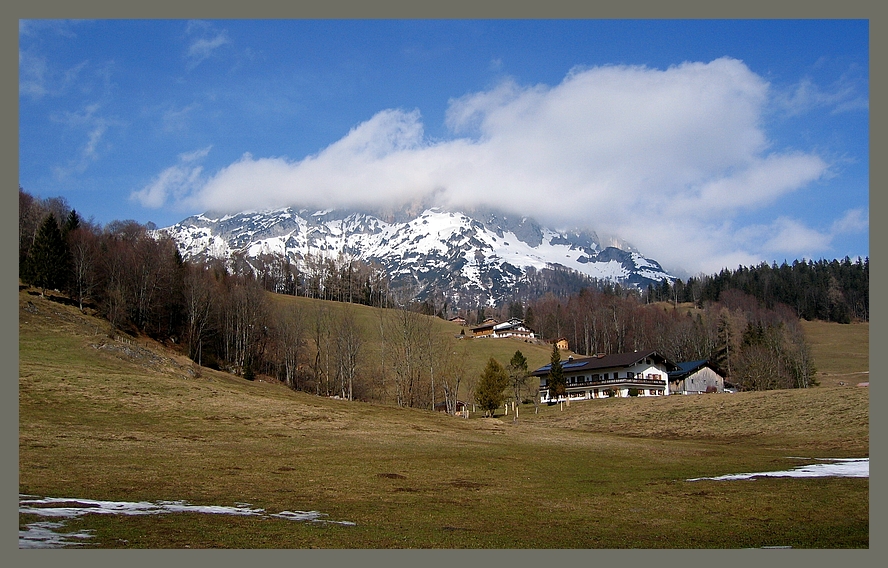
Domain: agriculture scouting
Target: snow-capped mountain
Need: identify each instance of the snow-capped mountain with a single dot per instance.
(470, 260)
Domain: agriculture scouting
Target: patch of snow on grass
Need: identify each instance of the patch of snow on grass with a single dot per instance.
(850, 467)
(44, 534)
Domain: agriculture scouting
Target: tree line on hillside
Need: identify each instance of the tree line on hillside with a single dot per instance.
(219, 314)
(826, 290)
(222, 317)
(339, 278)
(754, 346)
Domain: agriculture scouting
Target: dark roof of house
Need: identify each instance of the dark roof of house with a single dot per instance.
(617, 360)
(500, 326)
(687, 368)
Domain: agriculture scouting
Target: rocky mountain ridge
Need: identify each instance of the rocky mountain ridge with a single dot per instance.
(470, 259)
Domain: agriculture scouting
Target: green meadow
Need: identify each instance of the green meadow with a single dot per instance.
(132, 421)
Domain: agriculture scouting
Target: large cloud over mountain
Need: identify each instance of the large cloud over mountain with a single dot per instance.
(666, 159)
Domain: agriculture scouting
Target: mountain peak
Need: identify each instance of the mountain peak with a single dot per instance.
(471, 258)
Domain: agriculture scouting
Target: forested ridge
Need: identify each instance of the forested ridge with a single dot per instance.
(826, 290)
(745, 322)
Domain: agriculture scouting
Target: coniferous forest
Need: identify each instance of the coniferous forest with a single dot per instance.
(827, 290)
(745, 322)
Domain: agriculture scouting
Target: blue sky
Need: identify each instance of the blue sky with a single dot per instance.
(706, 144)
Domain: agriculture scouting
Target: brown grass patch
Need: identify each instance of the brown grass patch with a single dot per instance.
(840, 352)
(100, 424)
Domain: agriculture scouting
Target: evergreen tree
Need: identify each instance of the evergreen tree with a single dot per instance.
(529, 319)
(47, 264)
(72, 223)
(556, 382)
(489, 391)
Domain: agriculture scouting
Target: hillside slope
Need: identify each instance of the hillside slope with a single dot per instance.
(128, 421)
(474, 354)
(840, 351)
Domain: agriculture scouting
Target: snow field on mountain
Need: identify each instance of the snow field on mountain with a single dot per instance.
(437, 250)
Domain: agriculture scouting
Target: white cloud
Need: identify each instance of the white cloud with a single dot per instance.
(762, 182)
(32, 75)
(663, 158)
(174, 182)
(37, 79)
(199, 154)
(791, 237)
(177, 119)
(853, 221)
(90, 150)
(842, 96)
(94, 126)
(64, 28)
(202, 48)
(40, 76)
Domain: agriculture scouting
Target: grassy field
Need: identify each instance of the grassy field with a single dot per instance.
(841, 352)
(128, 421)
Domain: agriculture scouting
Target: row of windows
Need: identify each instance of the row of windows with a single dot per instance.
(595, 377)
(601, 377)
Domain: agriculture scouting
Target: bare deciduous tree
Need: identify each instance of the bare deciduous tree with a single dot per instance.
(407, 346)
(453, 373)
(290, 341)
(322, 363)
(198, 292)
(83, 243)
(349, 340)
(243, 325)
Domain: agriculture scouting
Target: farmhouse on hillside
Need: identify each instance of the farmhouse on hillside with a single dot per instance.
(603, 376)
(695, 377)
(511, 328)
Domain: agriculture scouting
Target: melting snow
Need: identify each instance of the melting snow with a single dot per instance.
(44, 534)
(850, 467)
